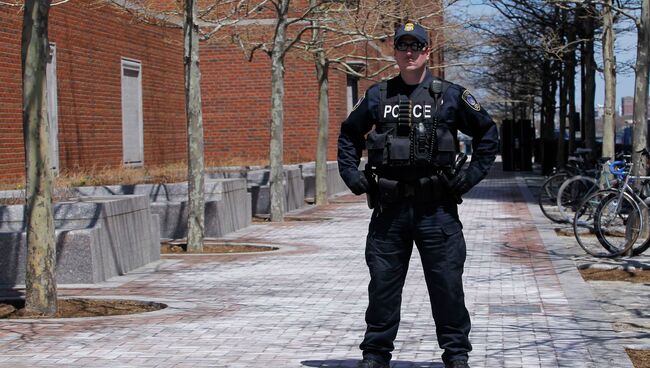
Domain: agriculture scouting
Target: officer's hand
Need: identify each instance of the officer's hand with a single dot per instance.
(461, 183)
(358, 183)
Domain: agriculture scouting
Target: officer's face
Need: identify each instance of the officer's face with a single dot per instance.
(409, 59)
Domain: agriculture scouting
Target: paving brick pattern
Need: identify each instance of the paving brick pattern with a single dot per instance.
(303, 305)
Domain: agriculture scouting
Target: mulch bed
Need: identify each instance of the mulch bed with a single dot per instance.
(617, 274)
(640, 358)
(218, 248)
(74, 308)
(299, 218)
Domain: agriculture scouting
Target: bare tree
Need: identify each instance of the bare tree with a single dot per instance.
(520, 61)
(195, 162)
(40, 282)
(640, 114)
(198, 24)
(558, 37)
(322, 68)
(609, 12)
(609, 69)
(276, 149)
(281, 42)
(336, 34)
(587, 15)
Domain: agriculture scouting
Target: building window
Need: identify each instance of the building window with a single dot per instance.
(352, 91)
(132, 121)
(53, 108)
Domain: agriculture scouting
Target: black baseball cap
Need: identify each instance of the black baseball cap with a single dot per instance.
(414, 30)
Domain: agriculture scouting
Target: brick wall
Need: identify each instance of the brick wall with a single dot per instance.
(90, 42)
(11, 132)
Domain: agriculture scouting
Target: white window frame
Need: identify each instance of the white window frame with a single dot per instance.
(352, 91)
(133, 64)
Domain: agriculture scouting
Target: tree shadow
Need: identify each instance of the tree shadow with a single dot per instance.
(352, 363)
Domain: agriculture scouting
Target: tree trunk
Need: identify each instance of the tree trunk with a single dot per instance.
(195, 163)
(322, 69)
(561, 147)
(543, 129)
(323, 128)
(569, 77)
(40, 282)
(277, 114)
(640, 114)
(609, 66)
(589, 81)
(549, 88)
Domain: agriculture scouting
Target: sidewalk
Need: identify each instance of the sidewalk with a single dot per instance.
(303, 305)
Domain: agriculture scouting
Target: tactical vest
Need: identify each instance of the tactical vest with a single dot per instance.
(411, 132)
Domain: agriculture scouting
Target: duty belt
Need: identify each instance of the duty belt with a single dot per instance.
(426, 189)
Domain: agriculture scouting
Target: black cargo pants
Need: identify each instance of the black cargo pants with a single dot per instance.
(437, 232)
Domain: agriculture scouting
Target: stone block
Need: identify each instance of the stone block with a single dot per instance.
(335, 184)
(227, 204)
(96, 238)
(294, 189)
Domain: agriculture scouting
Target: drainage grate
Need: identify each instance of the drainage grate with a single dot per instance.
(515, 309)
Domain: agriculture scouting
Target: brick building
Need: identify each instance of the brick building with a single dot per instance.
(112, 83)
(116, 95)
(627, 106)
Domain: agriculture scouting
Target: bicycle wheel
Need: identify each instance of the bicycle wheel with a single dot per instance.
(617, 223)
(642, 243)
(583, 224)
(572, 193)
(548, 196)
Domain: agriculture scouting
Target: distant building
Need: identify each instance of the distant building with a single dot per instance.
(627, 105)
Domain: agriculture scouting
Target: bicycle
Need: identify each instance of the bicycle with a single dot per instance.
(547, 198)
(614, 222)
(576, 189)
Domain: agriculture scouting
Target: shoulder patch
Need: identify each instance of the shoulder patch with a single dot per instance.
(471, 101)
(358, 102)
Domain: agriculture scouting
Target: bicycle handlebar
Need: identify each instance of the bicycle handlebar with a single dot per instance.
(617, 168)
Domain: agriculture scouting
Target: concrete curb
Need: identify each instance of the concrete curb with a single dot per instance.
(592, 321)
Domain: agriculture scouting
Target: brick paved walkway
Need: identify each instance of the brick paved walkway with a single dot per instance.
(303, 306)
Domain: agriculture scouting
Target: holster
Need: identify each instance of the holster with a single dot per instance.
(372, 195)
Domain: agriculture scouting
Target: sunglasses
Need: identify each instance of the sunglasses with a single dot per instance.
(414, 46)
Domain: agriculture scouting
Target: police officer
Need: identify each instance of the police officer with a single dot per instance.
(408, 125)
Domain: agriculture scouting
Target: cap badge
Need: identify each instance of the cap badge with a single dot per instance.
(408, 27)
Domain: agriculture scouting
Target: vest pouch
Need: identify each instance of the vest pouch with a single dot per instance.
(446, 154)
(422, 147)
(430, 189)
(399, 151)
(377, 149)
(388, 191)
